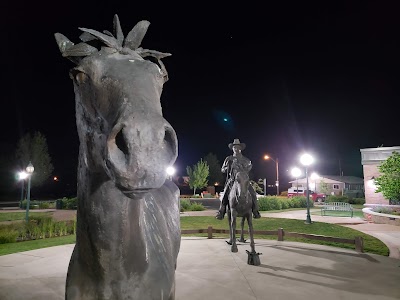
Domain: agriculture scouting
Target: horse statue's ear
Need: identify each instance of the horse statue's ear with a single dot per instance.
(73, 52)
(136, 35)
(118, 31)
(110, 41)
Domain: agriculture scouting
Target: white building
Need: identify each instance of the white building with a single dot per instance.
(335, 185)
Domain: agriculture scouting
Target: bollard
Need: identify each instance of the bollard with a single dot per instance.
(359, 243)
(209, 231)
(280, 234)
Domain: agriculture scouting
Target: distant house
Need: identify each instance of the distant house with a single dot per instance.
(335, 185)
(371, 158)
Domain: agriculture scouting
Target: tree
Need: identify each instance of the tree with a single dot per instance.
(215, 174)
(323, 187)
(198, 175)
(33, 148)
(256, 186)
(389, 182)
(7, 171)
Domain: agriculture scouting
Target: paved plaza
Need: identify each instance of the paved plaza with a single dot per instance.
(208, 270)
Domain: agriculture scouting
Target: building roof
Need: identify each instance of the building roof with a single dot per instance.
(374, 156)
(345, 179)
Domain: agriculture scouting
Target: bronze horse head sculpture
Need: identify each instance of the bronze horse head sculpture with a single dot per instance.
(128, 228)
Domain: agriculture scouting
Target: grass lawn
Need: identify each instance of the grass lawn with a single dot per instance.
(371, 244)
(14, 216)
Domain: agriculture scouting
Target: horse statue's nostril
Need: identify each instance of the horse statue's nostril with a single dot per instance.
(121, 143)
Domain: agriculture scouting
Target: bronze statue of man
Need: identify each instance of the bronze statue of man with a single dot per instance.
(233, 164)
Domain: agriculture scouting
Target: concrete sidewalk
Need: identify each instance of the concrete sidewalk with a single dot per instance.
(208, 270)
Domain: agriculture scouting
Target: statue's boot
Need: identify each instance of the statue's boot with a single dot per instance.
(256, 214)
(220, 214)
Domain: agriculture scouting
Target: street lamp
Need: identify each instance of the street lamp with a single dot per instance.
(266, 157)
(306, 160)
(296, 172)
(22, 176)
(29, 170)
(170, 171)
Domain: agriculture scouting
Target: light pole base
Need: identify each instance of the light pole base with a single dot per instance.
(308, 220)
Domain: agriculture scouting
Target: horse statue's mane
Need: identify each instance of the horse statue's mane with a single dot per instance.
(116, 40)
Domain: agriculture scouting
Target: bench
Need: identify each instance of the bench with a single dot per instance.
(336, 206)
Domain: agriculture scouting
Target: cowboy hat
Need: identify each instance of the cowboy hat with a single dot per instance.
(237, 142)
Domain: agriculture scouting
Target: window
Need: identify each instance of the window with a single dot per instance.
(335, 186)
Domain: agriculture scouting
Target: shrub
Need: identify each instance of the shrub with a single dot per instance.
(48, 228)
(196, 207)
(333, 198)
(37, 228)
(8, 235)
(297, 201)
(278, 203)
(71, 203)
(187, 205)
(301, 202)
(184, 204)
(74, 226)
(40, 220)
(269, 203)
(284, 204)
(275, 203)
(263, 203)
(44, 205)
(63, 228)
(357, 201)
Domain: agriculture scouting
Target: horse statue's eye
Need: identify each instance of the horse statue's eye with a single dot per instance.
(80, 77)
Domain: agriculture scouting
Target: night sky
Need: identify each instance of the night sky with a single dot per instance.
(283, 78)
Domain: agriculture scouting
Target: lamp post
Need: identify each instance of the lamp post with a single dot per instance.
(170, 171)
(306, 160)
(22, 176)
(265, 186)
(29, 170)
(266, 157)
(296, 172)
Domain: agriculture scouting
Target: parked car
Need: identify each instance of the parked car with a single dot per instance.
(316, 197)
